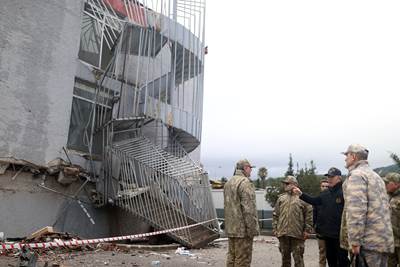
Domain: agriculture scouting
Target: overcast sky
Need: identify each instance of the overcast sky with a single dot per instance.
(301, 77)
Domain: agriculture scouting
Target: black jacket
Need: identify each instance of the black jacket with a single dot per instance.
(330, 207)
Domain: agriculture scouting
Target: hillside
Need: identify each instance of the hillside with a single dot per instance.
(382, 171)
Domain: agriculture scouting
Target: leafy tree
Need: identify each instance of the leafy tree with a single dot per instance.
(274, 189)
(257, 183)
(224, 180)
(290, 170)
(308, 180)
(262, 174)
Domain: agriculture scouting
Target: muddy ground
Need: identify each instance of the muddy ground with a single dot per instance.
(265, 253)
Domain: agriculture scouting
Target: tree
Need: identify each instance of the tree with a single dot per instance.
(308, 180)
(313, 168)
(257, 183)
(274, 189)
(290, 170)
(224, 180)
(395, 158)
(262, 174)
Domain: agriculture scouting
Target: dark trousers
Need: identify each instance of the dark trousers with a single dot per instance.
(335, 255)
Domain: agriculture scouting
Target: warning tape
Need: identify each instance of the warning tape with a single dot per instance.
(61, 243)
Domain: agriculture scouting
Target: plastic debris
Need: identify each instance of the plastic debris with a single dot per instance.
(184, 252)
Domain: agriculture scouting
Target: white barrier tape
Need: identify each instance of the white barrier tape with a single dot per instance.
(60, 243)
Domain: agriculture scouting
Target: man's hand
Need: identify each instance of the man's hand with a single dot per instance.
(296, 191)
(355, 249)
(305, 234)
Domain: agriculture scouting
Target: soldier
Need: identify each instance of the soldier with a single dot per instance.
(366, 222)
(317, 218)
(291, 224)
(392, 181)
(241, 222)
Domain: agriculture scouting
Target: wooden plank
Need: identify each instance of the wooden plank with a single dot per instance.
(44, 231)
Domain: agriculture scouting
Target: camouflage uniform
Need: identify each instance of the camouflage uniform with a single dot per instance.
(241, 222)
(394, 259)
(322, 252)
(292, 217)
(366, 220)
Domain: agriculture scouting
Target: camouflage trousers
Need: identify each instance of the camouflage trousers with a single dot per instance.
(322, 252)
(374, 259)
(288, 246)
(239, 252)
(394, 259)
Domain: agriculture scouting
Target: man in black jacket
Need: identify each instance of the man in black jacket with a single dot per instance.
(331, 202)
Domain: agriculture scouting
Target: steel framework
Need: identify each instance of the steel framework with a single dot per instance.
(148, 109)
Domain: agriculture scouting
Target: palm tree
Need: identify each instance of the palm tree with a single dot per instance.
(262, 173)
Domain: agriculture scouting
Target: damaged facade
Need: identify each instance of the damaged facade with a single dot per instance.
(101, 111)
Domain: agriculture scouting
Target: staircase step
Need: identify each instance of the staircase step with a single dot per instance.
(173, 178)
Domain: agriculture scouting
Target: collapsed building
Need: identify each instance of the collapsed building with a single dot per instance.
(101, 116)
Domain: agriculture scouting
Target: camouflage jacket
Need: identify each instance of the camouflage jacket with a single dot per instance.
(395, 211)
(240, 207)
(366, 214)
(291, 217)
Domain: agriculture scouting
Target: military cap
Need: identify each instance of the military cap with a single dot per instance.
(333, 172)
(356, 148)
(392, 177)
(242, 163)
(290, 180)
(323, 181)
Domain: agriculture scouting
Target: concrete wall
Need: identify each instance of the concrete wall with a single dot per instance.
(39, 43)
(218, 199)
(26, 207)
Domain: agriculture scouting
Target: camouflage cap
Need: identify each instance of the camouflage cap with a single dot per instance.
(392, 177)
(356, 148)
(290, 180)
(242, 163)
(332, 172)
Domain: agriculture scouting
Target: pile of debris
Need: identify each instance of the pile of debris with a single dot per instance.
(54, 255)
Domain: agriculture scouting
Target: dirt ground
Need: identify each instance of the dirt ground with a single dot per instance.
(265, 253)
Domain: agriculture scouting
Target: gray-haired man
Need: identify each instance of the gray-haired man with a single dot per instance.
(366, 222)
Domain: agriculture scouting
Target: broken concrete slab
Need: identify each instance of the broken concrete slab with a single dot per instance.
(66, 180)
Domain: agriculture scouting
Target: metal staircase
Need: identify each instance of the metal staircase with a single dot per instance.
(140, 119)
(165, 190)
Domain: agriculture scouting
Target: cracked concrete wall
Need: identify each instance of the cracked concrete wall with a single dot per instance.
(26, 207)
(39, 42)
